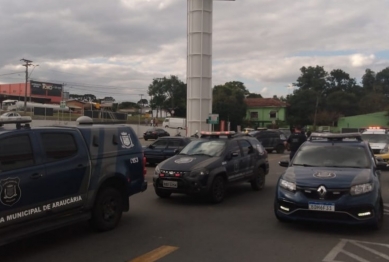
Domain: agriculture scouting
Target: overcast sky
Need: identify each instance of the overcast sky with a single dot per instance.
(116, 47)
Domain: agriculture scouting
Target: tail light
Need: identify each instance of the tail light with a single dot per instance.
(144, 165)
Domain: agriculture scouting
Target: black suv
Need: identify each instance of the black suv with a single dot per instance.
(206, 165)
(271, 140)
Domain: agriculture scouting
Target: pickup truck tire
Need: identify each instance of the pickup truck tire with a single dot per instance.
(162, 194)
(107, 210)
(258, 183)
(217, 190)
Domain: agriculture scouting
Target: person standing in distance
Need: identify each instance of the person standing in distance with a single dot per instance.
(295, 140)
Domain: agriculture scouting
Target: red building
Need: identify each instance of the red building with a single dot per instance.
(40, 92)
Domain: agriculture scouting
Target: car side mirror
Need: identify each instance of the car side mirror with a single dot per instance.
(176, 151)
(151, 146)
(284, 163)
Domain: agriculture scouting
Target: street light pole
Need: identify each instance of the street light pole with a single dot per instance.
(27, 64)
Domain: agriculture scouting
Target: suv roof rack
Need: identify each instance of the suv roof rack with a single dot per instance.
(332, 136)
(229, 134)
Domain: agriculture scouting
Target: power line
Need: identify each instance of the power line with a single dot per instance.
(12, 73)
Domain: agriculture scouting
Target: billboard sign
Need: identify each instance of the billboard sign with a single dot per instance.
(46, 89)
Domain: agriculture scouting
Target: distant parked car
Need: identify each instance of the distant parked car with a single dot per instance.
(12, 116)
(270, 140)
(164, 148)
(155, 133)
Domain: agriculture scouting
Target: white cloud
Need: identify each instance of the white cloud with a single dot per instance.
(359, 60)
(264, 91)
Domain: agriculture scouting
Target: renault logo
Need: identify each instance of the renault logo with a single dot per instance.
(322, 191)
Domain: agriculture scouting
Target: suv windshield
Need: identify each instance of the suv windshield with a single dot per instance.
(332, 156)
(375, 138)
(204, 147)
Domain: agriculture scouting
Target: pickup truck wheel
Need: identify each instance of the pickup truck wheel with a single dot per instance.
(217, 191)
(162, 194)
(107, 210)
(258, 183)
(280, 149)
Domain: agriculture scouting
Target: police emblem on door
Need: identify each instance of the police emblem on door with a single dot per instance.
(126, 140)
(10, 191)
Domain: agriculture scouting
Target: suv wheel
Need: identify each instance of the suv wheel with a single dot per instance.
(162, 193)
(107, 210)
(258, 183)
(218, 189)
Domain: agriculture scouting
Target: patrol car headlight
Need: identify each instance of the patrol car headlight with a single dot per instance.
(199, 172)
(288, 185)
(384, 150)
(361, 189)
(157, 171)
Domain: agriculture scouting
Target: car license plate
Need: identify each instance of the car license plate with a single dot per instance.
(330, 207)
(171, 184)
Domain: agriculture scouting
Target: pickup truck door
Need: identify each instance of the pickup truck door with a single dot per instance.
(246, 163)
(67, 166)
(21, 170)
(233, 158)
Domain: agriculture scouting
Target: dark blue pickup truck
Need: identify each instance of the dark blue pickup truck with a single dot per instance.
(55, 176)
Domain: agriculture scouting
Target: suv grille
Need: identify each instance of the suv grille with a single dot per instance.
(172, 173)
(331, 194)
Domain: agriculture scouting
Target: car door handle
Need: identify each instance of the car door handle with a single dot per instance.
(80, 166)
(36, 176)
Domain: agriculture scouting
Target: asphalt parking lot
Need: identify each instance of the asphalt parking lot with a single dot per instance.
(183, 228)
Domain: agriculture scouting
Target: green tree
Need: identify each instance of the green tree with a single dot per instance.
(168, 94)
(254, 95)
(128, 105)
(373, 102)
(228, 102)
(368, 80)
(143, 102)
(382, 81)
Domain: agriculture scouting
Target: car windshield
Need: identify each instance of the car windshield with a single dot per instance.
(204, 147)
(375, 138)
(332, 156)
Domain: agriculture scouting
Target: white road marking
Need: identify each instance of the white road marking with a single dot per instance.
(339, 248)
(335, 251)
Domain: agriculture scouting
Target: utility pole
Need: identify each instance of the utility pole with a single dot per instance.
(27, 64)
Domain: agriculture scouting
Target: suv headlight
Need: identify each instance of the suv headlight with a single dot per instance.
(384, 150)
(288, 185)
(361, 189)
(199, 172)
(157, 170)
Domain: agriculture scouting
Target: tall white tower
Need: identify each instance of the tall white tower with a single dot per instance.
(199, 65)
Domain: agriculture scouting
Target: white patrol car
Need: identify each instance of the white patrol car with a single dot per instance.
(378, 139)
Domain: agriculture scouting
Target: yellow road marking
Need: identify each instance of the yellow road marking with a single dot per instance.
(155, 254)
